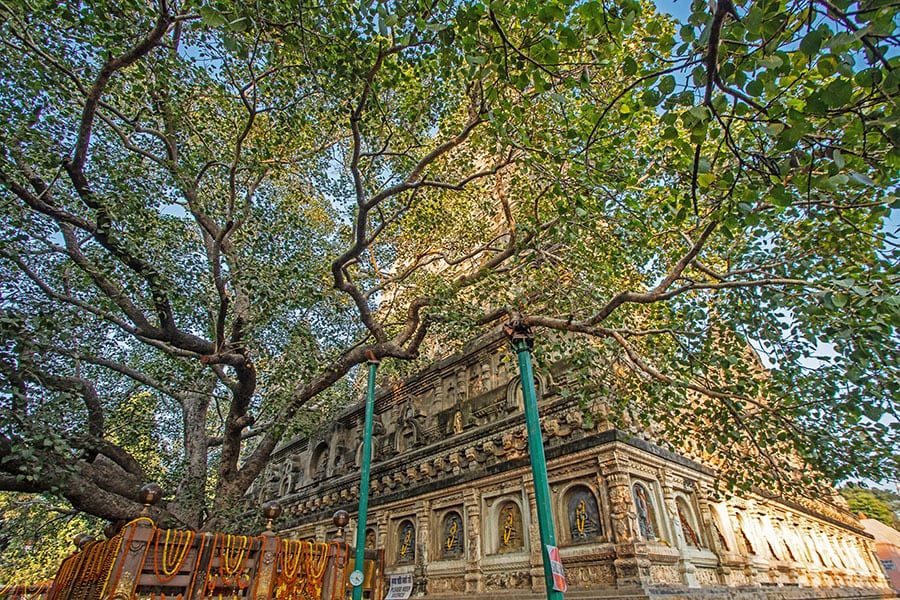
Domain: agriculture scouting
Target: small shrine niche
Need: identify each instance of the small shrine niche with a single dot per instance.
(406, 542)
(583, 515)
(645, 512)
(318, 464)
(452, 536)
(722, 541)
(686, 519)
(509, 529)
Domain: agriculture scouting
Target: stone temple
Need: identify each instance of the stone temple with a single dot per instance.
(452, 500)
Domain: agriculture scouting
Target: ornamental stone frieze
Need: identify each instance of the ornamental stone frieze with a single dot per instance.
(452, 500)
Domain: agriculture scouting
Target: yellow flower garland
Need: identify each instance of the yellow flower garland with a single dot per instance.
(174, 553)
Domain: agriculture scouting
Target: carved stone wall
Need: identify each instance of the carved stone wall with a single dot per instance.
(450, 456)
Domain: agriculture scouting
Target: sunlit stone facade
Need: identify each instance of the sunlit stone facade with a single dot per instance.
(452, 500)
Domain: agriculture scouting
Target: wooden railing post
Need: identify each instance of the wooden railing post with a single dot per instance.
(264, 578)
(127, 567)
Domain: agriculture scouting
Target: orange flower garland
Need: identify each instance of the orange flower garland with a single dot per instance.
(233, 553)
(174, 552)
(301, 569)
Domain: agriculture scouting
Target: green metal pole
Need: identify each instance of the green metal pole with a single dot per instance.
(522, 340)
(364, 483)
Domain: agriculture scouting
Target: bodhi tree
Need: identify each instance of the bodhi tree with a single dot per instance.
(213, 212)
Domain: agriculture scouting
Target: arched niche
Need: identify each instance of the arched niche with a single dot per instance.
(406, 542)
(452, 536)
(515, 402)
(647, 522)
(687, 521)
(582, 518)
(318, 461)
(510, 536)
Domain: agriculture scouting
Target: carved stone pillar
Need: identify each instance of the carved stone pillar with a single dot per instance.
(382, 537)
(423, 535)
(534, 538)
(685, 567)
(708, 522)
(474, 576)
(632, 565)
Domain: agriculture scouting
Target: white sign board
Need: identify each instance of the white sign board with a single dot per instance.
(401, 587)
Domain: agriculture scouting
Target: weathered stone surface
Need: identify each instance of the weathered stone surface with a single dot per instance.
(453, 439)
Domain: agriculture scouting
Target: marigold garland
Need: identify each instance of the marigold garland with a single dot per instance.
(174, 553)
(113, 546)
(132, 528)
(64, 578)
(233, 553)
(300, 569)
(317, 552)
(25, 591)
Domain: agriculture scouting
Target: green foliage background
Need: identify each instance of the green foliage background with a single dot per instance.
(214, 212)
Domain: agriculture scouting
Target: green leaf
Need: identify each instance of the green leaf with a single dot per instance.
(705, 180)
(755, 88)
(870, 77)
(650, 97)
(772, 61)
(630, 66)
(667, 84)
(811, 43)
(838, 92)
(212, 18)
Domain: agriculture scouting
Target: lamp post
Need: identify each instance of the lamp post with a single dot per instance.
(356, 577)
(522, 341)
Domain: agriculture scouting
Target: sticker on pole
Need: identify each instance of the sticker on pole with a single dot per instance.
(559, 577)
(356, 577)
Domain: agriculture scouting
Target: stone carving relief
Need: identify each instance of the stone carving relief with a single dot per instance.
(621, 505)
(707, 577)
(687, 522)
(646, 516)
(452, 536)
(409, 427)
(591, 575)
(583, 515)
(406, 542)
(509, 528)
(665, 574)
(340, 464)
(446, 585)
(462, 385)
(507, 580)
(473, 532)
(318, 464)
(286, 483)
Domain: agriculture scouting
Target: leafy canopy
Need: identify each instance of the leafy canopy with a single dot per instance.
(213, 212)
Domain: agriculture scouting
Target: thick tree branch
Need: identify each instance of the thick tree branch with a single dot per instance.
(659, 290)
